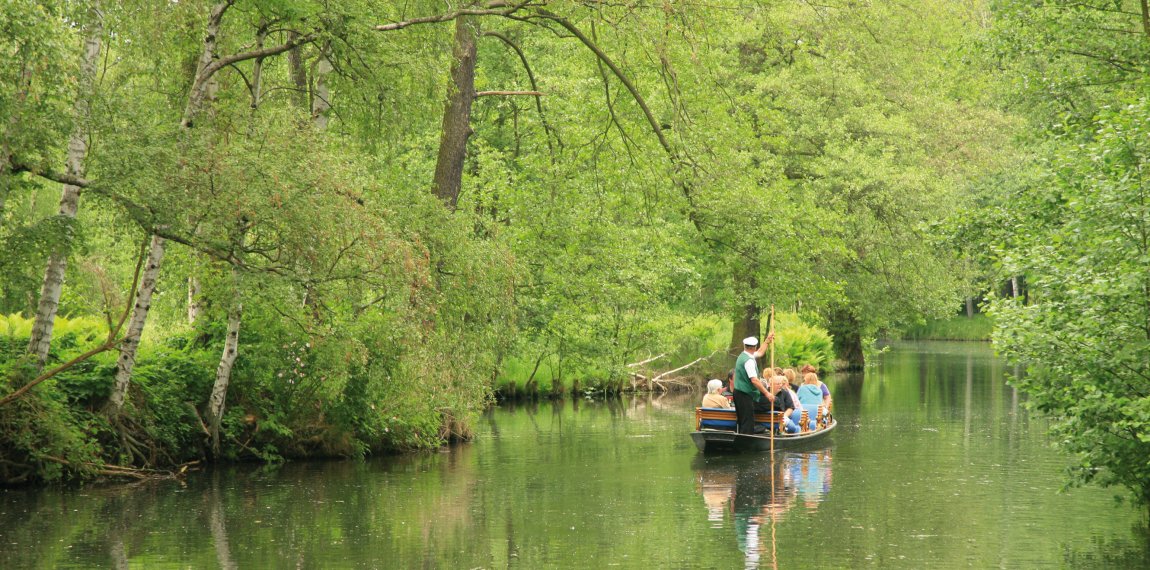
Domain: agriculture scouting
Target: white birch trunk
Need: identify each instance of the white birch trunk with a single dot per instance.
(321, 102)
(53, 285)
(193, 299)
(203, 88)
(224, 370)
(136, 326)
(201, 84)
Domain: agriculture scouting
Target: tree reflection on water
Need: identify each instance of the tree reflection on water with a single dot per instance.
(757, 493)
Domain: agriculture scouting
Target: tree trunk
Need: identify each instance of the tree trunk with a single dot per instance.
(1145, 17)
(194, 305)
(224, 370)
(136, 326)
(970, 307)
(847, 333)
(748, 324)
(41, 339)
(457, 114)
(201, 84)
(321, 103)
(298, 73)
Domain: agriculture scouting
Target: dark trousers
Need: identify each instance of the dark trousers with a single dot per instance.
(745, 409)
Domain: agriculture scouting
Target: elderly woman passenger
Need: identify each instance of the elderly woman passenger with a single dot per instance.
(715, 397)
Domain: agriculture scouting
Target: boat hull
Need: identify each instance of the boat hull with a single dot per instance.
(725, 441)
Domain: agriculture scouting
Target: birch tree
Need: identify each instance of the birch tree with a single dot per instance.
(41, 337)
(209, 63)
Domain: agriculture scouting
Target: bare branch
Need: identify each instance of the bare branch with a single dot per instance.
(684, 367)
(649, 360)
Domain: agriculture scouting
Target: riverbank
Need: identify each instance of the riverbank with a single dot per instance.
(298, 396)
(976, 328)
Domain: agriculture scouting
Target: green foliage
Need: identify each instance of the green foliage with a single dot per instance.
(801, 343)
(69, 333)
(799, 154)
(1085, 339)
(978, 327)
(1070, 219)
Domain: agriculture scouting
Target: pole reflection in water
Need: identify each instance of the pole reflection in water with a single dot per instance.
(754, 494)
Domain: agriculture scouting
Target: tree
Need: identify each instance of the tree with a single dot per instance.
(1073, 221)
(1086, 337)
(41, 337)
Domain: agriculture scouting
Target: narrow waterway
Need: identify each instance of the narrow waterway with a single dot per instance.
(936, 464)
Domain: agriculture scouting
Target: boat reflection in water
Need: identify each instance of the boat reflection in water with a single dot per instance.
(754, 494)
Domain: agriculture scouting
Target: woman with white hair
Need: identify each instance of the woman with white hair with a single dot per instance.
(715, 397)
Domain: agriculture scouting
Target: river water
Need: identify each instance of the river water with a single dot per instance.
(936, 464)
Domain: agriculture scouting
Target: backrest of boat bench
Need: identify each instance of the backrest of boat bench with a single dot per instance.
(721, 414)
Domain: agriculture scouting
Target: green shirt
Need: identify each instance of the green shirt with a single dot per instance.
(742, 379)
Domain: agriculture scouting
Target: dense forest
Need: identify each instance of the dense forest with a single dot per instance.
(269, 228)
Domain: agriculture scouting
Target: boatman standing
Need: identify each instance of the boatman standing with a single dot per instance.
(751, 393)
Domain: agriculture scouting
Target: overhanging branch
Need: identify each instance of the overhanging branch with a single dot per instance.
(496, 8)
(507, 93)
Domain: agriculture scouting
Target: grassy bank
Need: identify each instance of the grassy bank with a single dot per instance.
(976, 328)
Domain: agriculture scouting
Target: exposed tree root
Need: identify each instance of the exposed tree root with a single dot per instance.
(123, 472)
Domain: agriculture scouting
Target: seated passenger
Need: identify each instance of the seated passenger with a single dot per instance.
(784, 403)
(807, 368)
(790, 374)
(715, 397)
(811, 397)
(797, 415)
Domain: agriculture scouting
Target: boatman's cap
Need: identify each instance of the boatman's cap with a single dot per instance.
(750, 341)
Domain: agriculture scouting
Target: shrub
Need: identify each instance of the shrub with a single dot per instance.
(800, 343)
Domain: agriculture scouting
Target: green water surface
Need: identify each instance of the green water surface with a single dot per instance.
(936, 464)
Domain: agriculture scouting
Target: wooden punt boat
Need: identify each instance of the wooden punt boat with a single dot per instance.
(715, 432)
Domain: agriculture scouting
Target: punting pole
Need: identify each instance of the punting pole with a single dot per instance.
(771, 331)
(774, 554)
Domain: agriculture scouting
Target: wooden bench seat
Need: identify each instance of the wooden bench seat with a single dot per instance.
(725, 419)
